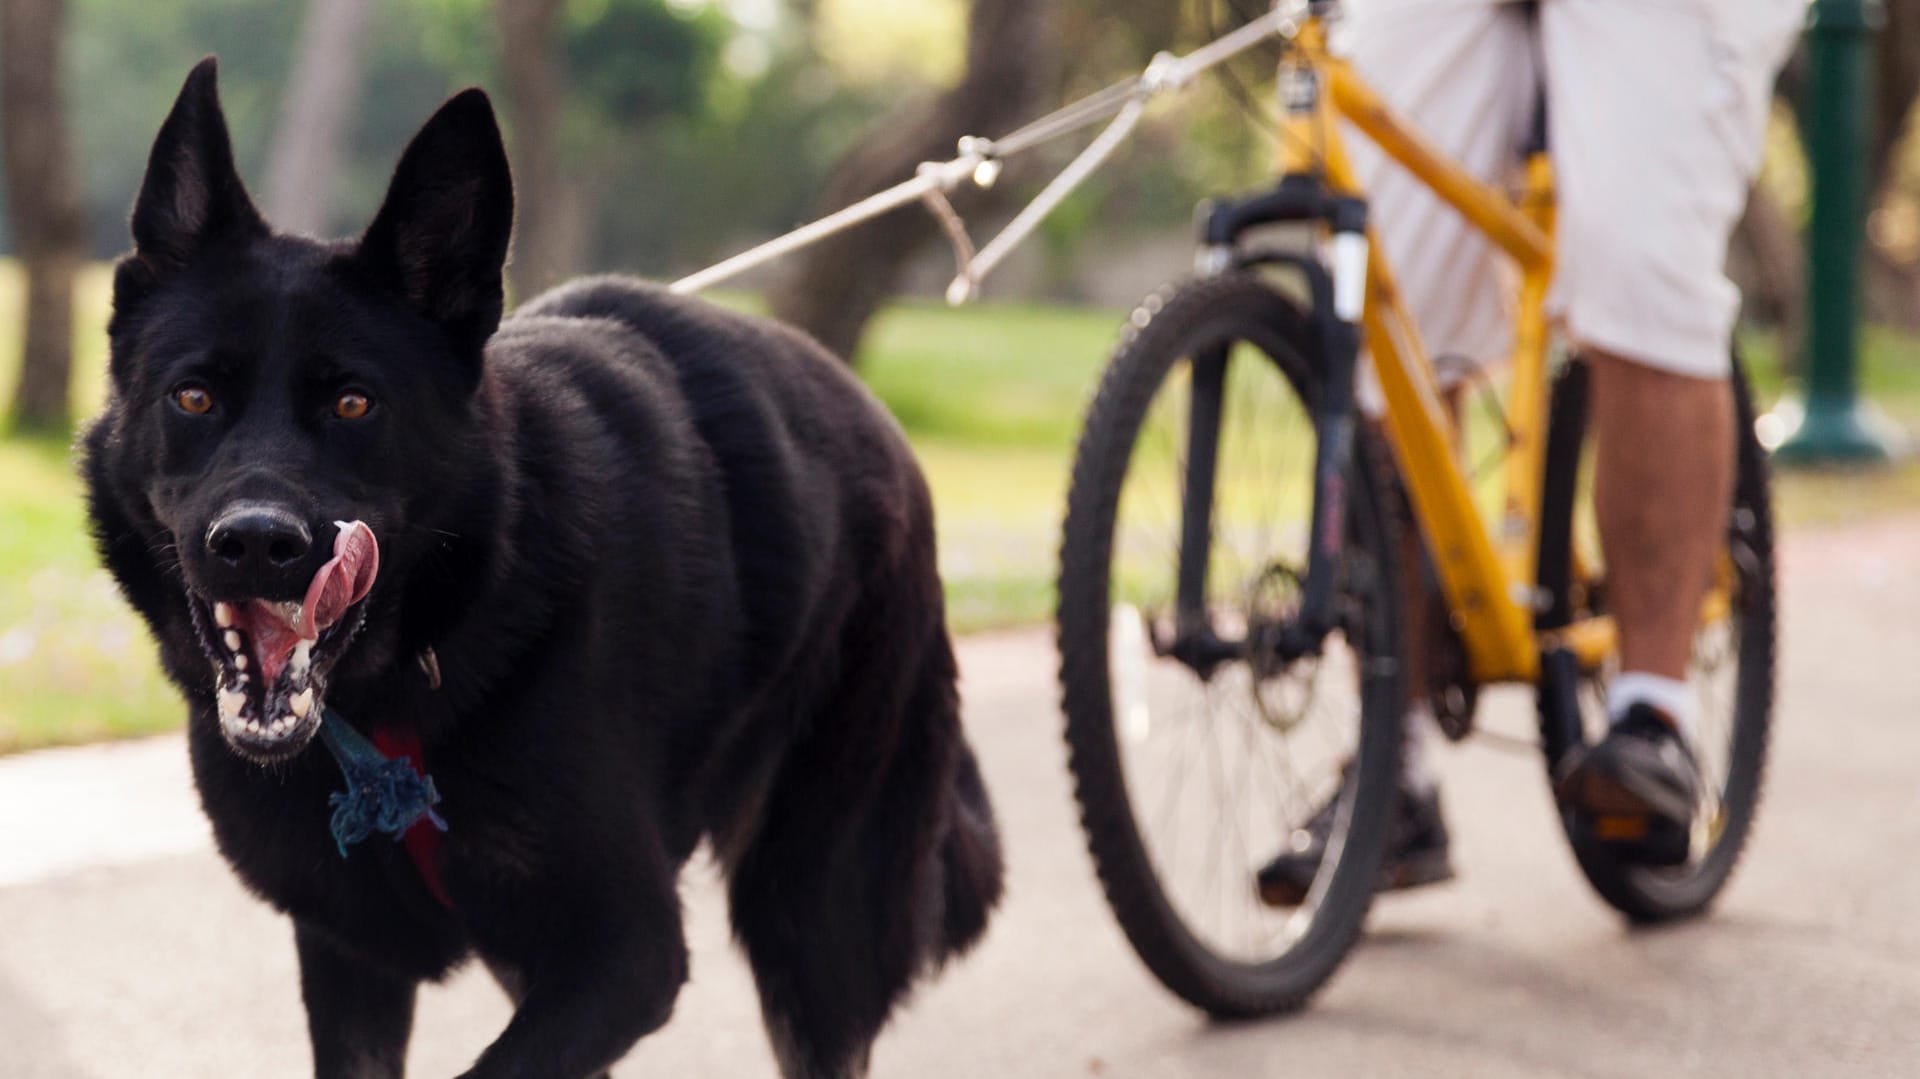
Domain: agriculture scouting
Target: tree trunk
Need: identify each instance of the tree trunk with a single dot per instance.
(1767, 260)
(533, 98)
(835, 287)
(1896, 84)
(43, 204)
(1890, 290)
(303, 171)
(1893, 288)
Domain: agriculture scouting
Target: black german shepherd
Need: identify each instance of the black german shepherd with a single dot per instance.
(629, 571)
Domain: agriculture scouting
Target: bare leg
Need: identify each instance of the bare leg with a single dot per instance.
(1663, 481)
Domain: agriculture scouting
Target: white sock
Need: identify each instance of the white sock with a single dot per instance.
(1671, 697)
(1418, 768)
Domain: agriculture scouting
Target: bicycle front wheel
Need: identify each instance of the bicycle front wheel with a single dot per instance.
(1195, 766)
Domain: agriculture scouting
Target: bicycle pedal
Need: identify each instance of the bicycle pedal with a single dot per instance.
(1637, 838)
(1615, 828)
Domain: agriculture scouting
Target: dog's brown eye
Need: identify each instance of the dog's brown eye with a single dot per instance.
(352, 406)
(193, 400)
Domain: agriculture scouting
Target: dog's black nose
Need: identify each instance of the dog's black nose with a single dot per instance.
(258, 540)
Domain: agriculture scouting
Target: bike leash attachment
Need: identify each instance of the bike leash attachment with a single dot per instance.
(979, 161)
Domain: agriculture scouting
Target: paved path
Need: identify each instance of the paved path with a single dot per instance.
(126, 948)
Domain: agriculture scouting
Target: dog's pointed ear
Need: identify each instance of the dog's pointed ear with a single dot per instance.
(192, 195)
(440, 238)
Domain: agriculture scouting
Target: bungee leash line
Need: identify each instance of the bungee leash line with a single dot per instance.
(979, 160)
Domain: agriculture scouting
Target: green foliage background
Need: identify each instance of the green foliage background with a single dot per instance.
(683, 154)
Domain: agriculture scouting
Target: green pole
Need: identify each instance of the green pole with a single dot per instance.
(1832, 425)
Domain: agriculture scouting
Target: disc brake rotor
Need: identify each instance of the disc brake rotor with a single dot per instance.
(1282, 690)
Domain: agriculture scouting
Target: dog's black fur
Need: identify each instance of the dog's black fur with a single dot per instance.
(676, 567)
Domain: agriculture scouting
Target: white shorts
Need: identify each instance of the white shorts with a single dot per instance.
(1656, 111)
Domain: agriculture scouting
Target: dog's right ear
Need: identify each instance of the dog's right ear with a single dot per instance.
(192, 196)
(440, 237)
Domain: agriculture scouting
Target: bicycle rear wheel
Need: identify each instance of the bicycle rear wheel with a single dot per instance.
(1733, 670)
(1191, 774)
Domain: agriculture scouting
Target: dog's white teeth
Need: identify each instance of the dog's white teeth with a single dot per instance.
(232, 637)
(230, 701)
(301, 702)
(223, 614)
(240, 661)
(302, 657)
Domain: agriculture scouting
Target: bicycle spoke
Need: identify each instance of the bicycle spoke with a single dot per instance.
(1214, 775)
(1214, 800)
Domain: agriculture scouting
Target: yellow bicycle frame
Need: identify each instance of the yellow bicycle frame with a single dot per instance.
(1487, 577)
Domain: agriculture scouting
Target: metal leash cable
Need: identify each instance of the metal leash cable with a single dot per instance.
(979, 160)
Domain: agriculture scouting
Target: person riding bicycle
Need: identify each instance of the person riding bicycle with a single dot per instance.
(1656, 114)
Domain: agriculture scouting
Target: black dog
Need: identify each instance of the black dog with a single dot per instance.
(630, 571)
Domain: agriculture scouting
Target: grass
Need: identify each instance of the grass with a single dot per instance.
(1890, 379)
(992, 398)
(75, 665)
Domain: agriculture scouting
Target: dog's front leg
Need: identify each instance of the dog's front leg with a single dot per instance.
(582, 1011)
(358, 1016)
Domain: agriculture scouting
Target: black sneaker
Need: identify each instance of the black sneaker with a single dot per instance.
(1416, 852)
(1636, 789)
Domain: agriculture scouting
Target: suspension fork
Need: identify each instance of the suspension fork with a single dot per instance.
(1339, 299)
(1204, 408)
(1338, 296)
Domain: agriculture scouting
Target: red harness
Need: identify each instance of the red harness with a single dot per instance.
(422, 841)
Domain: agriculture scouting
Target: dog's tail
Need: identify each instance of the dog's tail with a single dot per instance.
(970, 857)
(874, 859)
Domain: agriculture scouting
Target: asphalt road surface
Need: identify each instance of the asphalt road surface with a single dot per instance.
(126, 949)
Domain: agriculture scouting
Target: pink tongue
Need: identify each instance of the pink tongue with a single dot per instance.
(344, 581)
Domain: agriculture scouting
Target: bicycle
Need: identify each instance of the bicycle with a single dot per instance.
(1266, 646)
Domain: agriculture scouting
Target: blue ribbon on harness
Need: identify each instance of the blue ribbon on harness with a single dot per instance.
(383, 794)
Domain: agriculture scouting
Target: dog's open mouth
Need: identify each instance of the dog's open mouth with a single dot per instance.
(271, 658)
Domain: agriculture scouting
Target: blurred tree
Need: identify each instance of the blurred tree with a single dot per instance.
(127, 60)
(43, 204)
(584, 85)
(310, 141)
(533, 96)
(686, 130)
(671, 156)
(694, 187)
(835, 287)
(1767, 258)
(1893, 285)
(1021, 59)
(634, 70)
(1898, 84)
